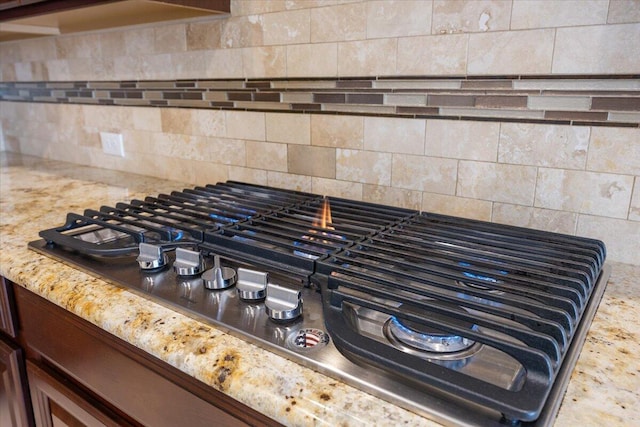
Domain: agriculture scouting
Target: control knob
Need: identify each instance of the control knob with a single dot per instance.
(252, 284)
(283, 304)
(188, 263)
(151, 257)
(219, 277)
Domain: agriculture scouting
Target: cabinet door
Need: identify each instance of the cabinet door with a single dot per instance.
(7, 310)
(14, 408)
(58, 403)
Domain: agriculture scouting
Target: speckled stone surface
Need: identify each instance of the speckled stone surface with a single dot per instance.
(36, 194)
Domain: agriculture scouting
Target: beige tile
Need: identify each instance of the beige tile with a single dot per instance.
(456, 206)
(187, 65)
(624, 117)
(391, 18)
(112, 43)
(266, 155)
(204, 35)
(245, 125)
(139, 41)
(289, 181)
(496, 182)
(268, 61)
(289, 128)
(210, 173)
(394, 135)
(335, 188)
(432, 55)
(148, 119)
(544, 145)
(577, 84)
(208, 122)
(255, 176)
(254, 7)
(541, 219)
(432, 174)
(176, 120)
(243, 31)
(223, 63)
(462, 139)
(564, 13)
(337, 131)
(634, 210)
(339, 23)
(225, 151)
(288, 27)
(621, 11)
(363, 166)
(180, 146)
(107, 119)
(80, 46)
(597, 49)
(170, 38)
(470, 16)
(38, 49)
(318, 60)
(614, 150)
(584, 192)
(621, 237)
(313, 161)
(400, 197)
(358, 58)
(511, 52)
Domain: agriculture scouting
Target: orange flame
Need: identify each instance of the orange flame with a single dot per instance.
(325, 216)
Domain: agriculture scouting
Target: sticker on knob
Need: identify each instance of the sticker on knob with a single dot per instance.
(307, 339)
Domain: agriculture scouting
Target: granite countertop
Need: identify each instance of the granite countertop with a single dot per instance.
(36, 194)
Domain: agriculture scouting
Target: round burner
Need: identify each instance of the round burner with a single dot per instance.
(480, 287)
(425, 338)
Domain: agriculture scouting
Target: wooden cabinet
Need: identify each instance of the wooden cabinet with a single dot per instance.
(81, 375)
(7, 310)
(15, 410)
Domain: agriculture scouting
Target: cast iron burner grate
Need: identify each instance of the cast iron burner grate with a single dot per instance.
(521, 291)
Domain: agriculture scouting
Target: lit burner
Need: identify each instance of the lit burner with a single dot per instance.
(427, 339)
(317, 240)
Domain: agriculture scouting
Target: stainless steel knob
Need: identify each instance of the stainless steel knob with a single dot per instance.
(219, 277)
(151, 257)
(188, 263)
(252, 284)
(282, 303)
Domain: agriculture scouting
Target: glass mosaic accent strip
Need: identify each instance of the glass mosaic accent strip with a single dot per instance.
(609, 100)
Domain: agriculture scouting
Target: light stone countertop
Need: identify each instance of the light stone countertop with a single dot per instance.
(36, 194)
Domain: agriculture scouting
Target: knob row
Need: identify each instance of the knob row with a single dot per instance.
(282, 303)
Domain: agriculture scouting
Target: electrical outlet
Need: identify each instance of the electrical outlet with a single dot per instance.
(112, 143)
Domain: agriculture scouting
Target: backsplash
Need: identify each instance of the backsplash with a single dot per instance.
(598, 101)
(519, 112)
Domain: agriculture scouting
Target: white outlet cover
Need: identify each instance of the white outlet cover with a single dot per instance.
(112, 143)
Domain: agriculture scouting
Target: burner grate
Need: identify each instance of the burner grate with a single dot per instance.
(523, 290)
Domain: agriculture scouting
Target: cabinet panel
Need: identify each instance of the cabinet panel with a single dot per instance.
(56, 402)
(7, 310)
(14, 408)
(144, 388)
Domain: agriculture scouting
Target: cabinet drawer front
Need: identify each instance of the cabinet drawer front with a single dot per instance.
(146, 389)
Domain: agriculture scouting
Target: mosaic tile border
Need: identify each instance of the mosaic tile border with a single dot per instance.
(610, 100)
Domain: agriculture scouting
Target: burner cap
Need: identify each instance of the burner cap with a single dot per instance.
(428, 339)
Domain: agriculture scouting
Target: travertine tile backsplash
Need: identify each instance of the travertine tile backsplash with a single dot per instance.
(542, 160)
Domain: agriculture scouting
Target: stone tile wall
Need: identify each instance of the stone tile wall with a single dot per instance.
(534, 153)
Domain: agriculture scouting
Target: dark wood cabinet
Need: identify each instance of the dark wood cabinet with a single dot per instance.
(15, 410)
(81, 375)
(7, 309)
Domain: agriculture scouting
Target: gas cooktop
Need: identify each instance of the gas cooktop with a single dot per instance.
(463, 321)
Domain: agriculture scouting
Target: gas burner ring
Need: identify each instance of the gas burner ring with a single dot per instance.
(478, 287)
(428, 343)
